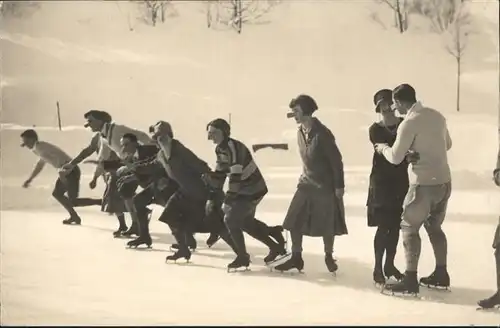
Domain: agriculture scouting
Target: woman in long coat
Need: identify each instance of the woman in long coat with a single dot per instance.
(387, 190)
(317, 208)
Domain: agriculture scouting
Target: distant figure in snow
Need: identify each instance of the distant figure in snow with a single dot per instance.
(68, 182)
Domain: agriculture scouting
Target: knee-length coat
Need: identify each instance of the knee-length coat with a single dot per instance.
(315, 209)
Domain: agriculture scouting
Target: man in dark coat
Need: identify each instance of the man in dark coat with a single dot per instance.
(246, 189)
(495, 299)
(317, 208)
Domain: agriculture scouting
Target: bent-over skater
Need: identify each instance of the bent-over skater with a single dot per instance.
(68, 182)
(247, 188)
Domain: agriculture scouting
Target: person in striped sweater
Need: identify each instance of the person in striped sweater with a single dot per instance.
(247, 188)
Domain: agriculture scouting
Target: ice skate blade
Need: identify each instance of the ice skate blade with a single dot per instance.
(493, 309)
(440, 288)
(236, 270)
(389, 292)
(173, 261)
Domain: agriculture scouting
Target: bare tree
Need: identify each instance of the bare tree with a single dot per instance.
(235, 13)
(401, 16)
(456, 35)
(157, 8)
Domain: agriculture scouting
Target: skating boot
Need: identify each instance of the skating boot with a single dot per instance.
(241, 261)
(276, 233)
(438, 279)
(378, 276)
(409, 285)
(191, 243)
(392, 271)
(133, 230)
(120, 231)
(183, 252)
(331, 263)
(274, 253)
(212, 239)
(296, 262)
(140, 241)
(490, 303)
(73, 220)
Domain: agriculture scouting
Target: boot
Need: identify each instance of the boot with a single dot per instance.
(409, 284)
(133, 230)
(183, 252)
(391, 271)
(73, 220)
(120, 231)
(240, 262)
(276, 233)
(491, 302)
(144, 236)
(296, 262)
(274, 253)
(212, 239)
(331, 263)
(439, 278)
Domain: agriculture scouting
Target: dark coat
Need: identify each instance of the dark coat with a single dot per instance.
(314, 209)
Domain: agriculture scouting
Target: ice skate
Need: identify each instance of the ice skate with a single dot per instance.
(490, 303)
(181, 253)
(331, 263)
(409, 285)
(192, 244)
(392, 271)
(378, 277)
(276, 233)
(72, 221)
(212, 239)
(241, 261)
(140, 241)
(295, 262)
(439, 279)
(133, 230)
(118, 233)
(274, 254)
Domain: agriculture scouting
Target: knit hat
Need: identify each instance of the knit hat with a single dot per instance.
(221, 124)
(306, 103)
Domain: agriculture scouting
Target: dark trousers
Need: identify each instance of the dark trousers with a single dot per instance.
(239, 217)
(67, 190)
(497, 261)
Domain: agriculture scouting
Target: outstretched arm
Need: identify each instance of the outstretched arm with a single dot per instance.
(38, 168)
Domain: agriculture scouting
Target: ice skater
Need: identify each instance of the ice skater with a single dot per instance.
(111, 134)
(494, 300)
(387, 190)
(247, 188)
(68, 182)
(317, 208)
(112, 203)
(423, 130)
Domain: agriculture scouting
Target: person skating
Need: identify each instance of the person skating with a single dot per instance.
(425, 131)
(247, 188)
(111, 134)
(386, 191)
(317, 208)
(68, 182)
